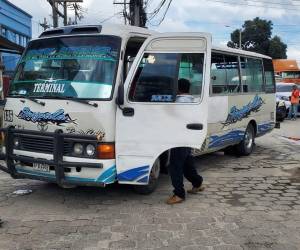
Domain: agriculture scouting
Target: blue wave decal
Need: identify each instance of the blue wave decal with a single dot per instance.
(58, 117)
(108, 176)
(133, 174)
(144, 179)
(236, 114)
(226, 139)
(264, 128)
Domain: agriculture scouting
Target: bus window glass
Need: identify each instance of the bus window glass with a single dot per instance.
(218, 74)
(73, 67)
(191, 68)
(252, 75)
(269, 76)
(232, 73)
(225, 78)
(155, 78)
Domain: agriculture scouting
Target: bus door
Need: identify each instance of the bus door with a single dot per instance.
(165, 102)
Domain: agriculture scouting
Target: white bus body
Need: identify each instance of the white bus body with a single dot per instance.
(76, 114)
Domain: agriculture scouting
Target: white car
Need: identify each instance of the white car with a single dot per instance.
(283, 93)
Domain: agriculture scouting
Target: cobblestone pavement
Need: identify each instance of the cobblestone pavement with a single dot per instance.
(249, 203)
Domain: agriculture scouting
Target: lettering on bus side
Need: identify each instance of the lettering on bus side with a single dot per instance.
(236, 114)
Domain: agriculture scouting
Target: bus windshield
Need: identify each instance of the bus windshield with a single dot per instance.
(73, 67)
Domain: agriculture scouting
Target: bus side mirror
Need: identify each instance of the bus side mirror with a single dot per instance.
(120, 96)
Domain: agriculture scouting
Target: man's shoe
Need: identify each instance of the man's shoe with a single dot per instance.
(174, 199)
(196, 190)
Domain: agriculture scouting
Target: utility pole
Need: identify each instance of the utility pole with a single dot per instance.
(240, 38)
(137, 15)
(54, 14)
(65, 14)
(65, 3)
(45, 24)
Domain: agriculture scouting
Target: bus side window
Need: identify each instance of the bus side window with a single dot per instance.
(232, 73)
(154, 80)
(191, 69)
(218, 74)
(225, 78)
(269, 76)
(252, 75)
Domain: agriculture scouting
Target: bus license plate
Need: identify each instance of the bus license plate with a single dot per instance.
(41, 167)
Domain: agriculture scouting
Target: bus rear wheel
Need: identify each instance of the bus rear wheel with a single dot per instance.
(153, 180)
(245, 147)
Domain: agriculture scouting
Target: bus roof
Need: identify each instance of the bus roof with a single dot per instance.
(240, 52)
(124, 30)
(107, 29)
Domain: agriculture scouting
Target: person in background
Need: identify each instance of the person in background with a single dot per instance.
(181, 161)
(294, 103)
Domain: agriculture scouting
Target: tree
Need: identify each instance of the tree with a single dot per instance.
(277, 48)
(257, 37)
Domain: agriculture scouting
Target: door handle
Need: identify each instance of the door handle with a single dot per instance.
(128, 111)
(194, 126)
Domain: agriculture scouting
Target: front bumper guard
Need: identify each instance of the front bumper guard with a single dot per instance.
(58, 142)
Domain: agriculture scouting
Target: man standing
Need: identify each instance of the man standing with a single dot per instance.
(294, 103)
(181, 161)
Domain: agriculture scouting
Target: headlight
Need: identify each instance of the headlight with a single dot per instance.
(90, 150)
(78, 149)
(285, 98)
(16, 142)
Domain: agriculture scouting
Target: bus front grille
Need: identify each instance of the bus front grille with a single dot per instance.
(41, 144)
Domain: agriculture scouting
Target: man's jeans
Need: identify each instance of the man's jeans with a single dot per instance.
(181, 164)
(293, 111)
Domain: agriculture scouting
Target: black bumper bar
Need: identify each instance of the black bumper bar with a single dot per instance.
(59, 165)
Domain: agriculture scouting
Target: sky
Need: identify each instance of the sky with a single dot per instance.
(219, 17)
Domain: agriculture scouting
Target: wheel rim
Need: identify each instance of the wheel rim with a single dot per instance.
(248, 139)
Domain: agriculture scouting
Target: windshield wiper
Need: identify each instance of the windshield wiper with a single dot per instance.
(29, 98)
(72, 99)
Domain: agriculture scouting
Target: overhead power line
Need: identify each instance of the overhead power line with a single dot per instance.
(253, 5)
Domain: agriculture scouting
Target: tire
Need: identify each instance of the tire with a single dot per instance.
(245, 147)
(153, 180)
(231, 150)
(164, 160)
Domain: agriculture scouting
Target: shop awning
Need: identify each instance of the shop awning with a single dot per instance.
(10, 47)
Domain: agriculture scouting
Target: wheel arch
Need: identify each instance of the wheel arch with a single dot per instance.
(254, 125)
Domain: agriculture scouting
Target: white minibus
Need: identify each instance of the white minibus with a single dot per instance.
(95, 105)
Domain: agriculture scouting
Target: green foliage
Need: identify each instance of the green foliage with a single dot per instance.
(257, 37)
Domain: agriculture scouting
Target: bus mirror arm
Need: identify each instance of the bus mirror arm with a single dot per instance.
(120, 101)
(120, 96)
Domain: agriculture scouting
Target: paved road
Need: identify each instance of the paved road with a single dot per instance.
(249, 203)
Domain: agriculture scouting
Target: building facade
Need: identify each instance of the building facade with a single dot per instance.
(15, 25)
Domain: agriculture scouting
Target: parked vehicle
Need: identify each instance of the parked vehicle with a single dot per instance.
(81, 111)
(281, 111)
(283, 93)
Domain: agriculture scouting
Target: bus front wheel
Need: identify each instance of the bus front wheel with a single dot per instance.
(245, 147)
(153, 180)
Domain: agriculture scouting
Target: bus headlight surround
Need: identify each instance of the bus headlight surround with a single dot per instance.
(78, 149)
(90, 150)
